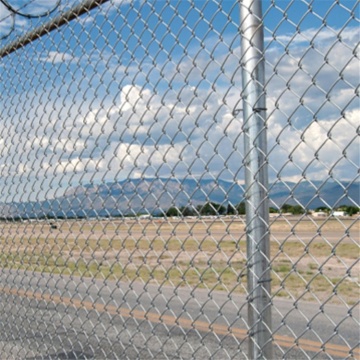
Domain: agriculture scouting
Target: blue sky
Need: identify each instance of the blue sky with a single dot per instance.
(143, 89)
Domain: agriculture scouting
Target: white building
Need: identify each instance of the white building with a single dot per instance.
(319, 214)
(339, 213)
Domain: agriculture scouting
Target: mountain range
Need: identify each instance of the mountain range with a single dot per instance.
(153, 196)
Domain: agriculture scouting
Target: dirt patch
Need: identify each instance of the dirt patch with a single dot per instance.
(312, 259)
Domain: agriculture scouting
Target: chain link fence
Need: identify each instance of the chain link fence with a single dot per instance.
(179, 179)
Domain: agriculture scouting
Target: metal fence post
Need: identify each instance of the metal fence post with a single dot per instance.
(256, 178)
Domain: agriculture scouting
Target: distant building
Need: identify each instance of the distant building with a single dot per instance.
(286, 214)
(274, 215)
(319, 214)
(339, 213)
(145, 216)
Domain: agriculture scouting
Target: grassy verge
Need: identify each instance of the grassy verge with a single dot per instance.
(205, 255)
(318, 273)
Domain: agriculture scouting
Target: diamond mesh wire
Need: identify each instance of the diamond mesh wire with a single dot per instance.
(123, 197)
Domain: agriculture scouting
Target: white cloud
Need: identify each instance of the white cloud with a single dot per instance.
(56, 57)
(168, 118)
(326, 36)
(321, 145)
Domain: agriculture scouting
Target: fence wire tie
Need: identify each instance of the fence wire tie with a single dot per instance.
(264, 281)
(259, 109)
(236, 112)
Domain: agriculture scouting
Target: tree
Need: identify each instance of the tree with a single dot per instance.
(182, 211)
(297, 210)
(352, 210)
(293, 209)
(322, 208)
(173, 211)
(211, 209)
(349, 209)
(286, 208)
(187, 211)
(241, 208)
(231, 209)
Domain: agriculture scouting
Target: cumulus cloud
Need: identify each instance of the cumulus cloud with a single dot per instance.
(56, 57)
(319, 37)
(173, 115)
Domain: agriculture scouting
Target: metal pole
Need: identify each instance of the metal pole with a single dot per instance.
(256, 180)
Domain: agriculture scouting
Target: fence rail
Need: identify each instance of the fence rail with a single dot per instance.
(179, 179)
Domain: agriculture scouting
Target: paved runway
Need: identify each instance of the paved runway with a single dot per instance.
(52, 316)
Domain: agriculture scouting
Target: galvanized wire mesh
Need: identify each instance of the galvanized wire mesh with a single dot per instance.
(129, 203)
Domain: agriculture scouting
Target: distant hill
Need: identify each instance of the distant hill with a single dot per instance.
(134, 196)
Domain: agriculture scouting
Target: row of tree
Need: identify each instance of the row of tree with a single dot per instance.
(289, 209)
(214, 209)
(207, 209)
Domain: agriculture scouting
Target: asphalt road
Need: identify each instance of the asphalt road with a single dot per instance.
(45, 316)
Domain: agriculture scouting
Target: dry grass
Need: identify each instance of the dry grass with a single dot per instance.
(312, 259)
